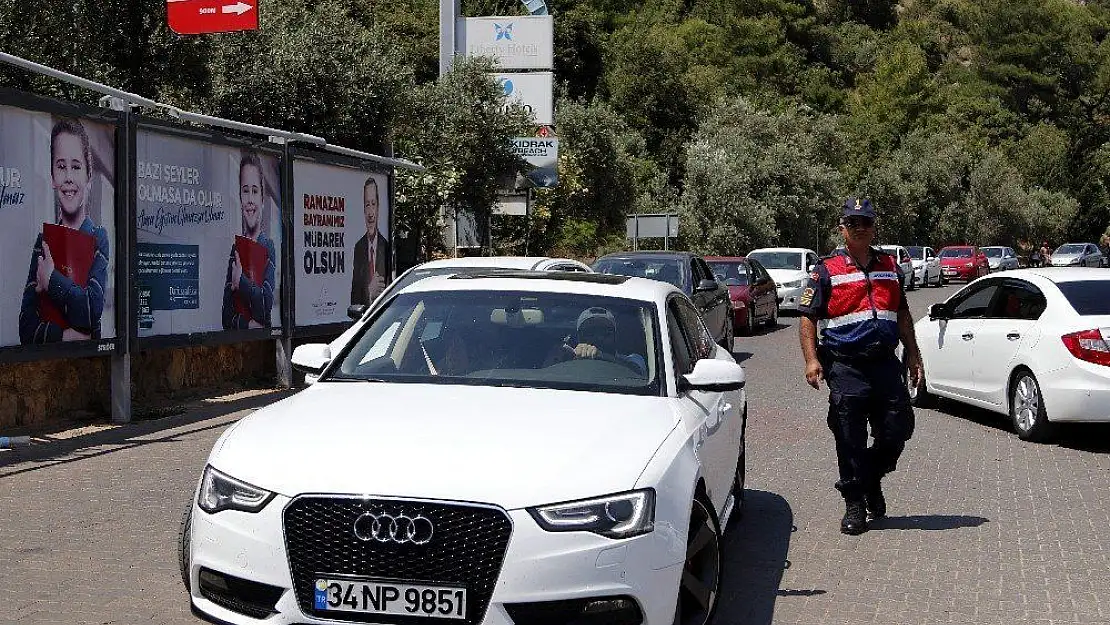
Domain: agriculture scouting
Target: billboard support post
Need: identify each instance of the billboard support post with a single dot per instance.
(121, 357)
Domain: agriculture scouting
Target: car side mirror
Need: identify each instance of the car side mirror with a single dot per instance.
(311, 358)
(940, 310)
(355, 311)
(713, 375)
(810, 268)
(707, 285)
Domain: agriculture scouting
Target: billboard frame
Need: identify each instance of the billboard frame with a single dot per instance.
(322, 157)
(102, 347)
(223, 139)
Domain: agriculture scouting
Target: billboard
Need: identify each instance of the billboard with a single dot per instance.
(543, 155)
(533, 91)
(515, 42)
(341, 240)
(208, 223)
(57, 228)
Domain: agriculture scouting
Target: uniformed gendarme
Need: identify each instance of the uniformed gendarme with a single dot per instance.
(856, 296)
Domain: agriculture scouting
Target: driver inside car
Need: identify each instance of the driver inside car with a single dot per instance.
(597, 339)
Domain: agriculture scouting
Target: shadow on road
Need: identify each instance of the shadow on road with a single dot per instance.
(51, 452)
(1089, 437)
(928, 522)
(754, 560)
(740, 357)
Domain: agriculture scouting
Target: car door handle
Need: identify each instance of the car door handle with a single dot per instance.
(967, 336)
(1013, 336)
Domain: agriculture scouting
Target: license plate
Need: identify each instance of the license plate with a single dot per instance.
(381, 597)
(949, 270)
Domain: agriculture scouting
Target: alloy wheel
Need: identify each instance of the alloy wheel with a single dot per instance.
(701, 573)
(1027, 403)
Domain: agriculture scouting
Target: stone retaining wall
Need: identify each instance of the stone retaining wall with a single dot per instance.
(39, 394)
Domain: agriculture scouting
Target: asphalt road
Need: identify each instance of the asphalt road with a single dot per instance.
(983, 527)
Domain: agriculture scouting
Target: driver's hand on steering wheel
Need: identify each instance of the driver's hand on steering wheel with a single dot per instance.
(585, 350)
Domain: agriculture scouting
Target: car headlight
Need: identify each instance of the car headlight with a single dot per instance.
(622, 515)
(792, 285)
(219, 491)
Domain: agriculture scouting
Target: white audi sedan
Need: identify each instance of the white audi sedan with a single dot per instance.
(503, 448)
(1031, 343)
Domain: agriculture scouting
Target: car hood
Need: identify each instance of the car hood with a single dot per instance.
(505, 446)
(917, 262)
(739, 293)
(782, 276)
(956, 261)
(1065, 258)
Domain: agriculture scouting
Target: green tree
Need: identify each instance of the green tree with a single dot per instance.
(757, 177)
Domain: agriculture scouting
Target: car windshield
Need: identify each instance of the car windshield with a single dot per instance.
(731, 273)
(778, 260)
(993, 252)
(1071, 248)
(916, 252)
(1087, 297)
(509, 338)
(663, 269)
(956, 252)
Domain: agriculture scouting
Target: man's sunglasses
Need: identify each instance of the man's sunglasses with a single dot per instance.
(856, 222)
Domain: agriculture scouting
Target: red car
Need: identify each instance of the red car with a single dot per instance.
(755, 299)
(963, 262)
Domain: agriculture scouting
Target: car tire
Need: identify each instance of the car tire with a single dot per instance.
(749, 329)
(700, 583)
(1027, 409)
(183, 544)
(739, 484)
(728, 341)
(773, 322)
(940, 281)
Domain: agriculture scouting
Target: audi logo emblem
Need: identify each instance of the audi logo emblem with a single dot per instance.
(395, 528)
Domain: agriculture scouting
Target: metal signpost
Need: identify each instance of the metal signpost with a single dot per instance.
(197, 17)
(652, 226)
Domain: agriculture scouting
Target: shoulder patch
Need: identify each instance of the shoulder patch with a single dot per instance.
(807, 296)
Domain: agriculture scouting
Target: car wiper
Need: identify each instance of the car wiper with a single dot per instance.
(353, 380)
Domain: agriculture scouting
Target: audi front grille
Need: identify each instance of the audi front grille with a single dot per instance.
(466, 550)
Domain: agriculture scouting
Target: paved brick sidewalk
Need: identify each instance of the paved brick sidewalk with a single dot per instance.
(984, 529)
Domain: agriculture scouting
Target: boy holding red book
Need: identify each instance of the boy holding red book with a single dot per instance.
(64, 296)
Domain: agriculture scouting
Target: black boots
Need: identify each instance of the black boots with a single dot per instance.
(876, 503)
(855, 517)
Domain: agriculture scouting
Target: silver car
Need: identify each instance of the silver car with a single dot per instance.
(1001, 258)
(1077, 255)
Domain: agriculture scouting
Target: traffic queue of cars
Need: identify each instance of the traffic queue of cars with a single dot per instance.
(488, 445)
(502, 441)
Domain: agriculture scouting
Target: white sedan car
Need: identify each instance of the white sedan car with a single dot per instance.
(904, 260)
(494, 449)
(926, 266)
(1031, 343)
(789, 268)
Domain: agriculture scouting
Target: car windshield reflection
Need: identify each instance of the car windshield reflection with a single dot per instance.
(732, 274)
(509, 338)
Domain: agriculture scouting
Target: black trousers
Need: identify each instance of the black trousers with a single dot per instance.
(865, 393)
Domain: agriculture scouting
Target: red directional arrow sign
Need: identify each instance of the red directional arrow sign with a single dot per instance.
(196, 17)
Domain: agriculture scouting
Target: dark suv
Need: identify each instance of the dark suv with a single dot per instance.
(690, 273)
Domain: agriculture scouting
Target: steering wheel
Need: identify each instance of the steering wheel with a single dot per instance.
(604, 356)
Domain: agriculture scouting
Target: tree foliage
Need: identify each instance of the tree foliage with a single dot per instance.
(984, 121)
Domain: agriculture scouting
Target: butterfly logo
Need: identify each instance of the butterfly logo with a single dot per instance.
(503, 32)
